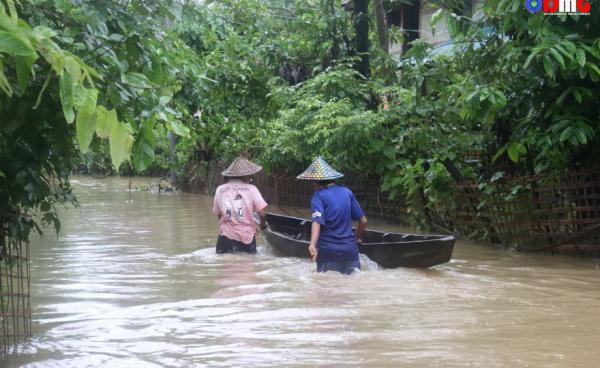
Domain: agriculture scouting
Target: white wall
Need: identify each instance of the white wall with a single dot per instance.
(441, 35)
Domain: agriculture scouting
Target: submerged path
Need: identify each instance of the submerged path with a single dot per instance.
(133, 281)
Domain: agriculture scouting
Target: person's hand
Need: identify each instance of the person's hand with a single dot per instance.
(359, 241)
(312, 249)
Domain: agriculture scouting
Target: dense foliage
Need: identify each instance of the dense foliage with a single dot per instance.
(76, 75)
(181, 85)
(513, 95)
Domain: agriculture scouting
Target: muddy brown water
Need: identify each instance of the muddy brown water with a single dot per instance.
(133, 281)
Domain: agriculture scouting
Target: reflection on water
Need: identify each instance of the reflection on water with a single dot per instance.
(133, 281)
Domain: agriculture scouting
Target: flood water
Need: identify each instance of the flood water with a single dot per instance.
(133, 281)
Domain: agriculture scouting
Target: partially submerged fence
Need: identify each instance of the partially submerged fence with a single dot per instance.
(15, 310)
(527, 213)
(531, 213)
(284, 190)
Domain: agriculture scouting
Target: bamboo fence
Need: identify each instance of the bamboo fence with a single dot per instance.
(15, 310)
(533, 213)
(547, 212)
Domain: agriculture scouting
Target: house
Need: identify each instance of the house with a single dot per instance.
(413, 18)
(415, 22)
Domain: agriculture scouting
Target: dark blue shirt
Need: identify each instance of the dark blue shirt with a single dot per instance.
(335, 207)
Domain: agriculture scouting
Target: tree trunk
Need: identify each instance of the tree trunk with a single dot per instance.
(382, 31)
(453, 170)
(173, 139)
(361, 25)
(335, 48)
(410, 23)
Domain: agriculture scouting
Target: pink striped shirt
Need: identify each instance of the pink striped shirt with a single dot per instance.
(235, 202)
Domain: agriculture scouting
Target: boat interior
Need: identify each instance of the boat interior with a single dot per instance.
(299, 229)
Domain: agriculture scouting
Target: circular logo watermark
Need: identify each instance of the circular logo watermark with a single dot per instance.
(533, 6)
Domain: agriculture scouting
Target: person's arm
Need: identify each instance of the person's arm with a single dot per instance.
(360, 230)
(216, 206)
(358, 215)
(318, 220)
(260, 206)
(315, 231)
(263, 218)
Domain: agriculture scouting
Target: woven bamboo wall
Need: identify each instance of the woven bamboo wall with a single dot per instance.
(547, 212)
(15, 311)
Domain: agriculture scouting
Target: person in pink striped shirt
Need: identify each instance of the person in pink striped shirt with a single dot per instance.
(234, 204)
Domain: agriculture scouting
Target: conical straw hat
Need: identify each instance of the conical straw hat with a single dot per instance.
(320, 170)
(241, 167)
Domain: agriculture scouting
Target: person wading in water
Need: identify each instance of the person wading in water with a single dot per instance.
(234, 204)
(333, 244)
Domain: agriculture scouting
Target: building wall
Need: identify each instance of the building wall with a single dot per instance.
(441, 35)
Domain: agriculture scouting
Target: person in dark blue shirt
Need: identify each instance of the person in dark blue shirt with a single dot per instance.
(333, 244)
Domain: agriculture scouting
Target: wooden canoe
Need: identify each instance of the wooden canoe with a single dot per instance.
(290, 237)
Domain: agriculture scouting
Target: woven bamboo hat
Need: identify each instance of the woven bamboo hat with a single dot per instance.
(320, 170)
(241, 167)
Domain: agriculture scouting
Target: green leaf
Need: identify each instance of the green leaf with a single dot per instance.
(72, 65)
(12, 10)
(594, 68)
(143, 155)
(86, 120)
(66, 96)
(515, 150)
(565, 53)
(560, 125)
(548, 66)
(147, 132)
(563, 95)
(389, 152)
(164, 100)
(500, 99)
(558, 57)
(566, 134)
(377, 144)
(513, 154)
(137, 80)
(121, 141)
(23, 66)
(178, 128)
(16, 46)
(573, 140)
(79, 95)
(578, 95)
(515, 6)
(529, 59)
(156, 73)
(105, 121)
(580, 56)
(41, 33)
(498, 175)
(435, 18)
(4, 83)
(581, 136)
(117, 37)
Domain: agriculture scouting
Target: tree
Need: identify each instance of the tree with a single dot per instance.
(361, 27)
(382, 30)
(55, 103)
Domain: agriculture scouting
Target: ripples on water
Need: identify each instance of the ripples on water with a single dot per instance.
(133, 281)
